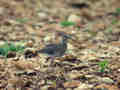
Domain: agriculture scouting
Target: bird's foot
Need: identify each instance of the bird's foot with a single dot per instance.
(51, 58)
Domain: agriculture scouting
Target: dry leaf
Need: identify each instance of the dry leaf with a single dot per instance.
(24, 65)
(109, 87)
(71, 84)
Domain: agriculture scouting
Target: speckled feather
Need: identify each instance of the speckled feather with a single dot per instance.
(56, 50)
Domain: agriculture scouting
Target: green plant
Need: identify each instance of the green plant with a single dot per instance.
(67, 23)
(109, 30)
(22, 20)
(118, 10)
(103, 65)
(114, 21)
(92, 33)
(5, 48)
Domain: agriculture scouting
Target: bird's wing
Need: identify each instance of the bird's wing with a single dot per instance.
(49, 49)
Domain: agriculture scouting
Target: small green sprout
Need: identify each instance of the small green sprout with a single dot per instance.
(67, 23)
(103, 65)
(109, 30)
(22, 20)
(114, 21)
(118, 10)
(5, 48)
(90, 32)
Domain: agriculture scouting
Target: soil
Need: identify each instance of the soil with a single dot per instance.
(95, 38)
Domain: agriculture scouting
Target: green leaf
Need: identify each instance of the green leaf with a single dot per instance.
(115, 21)
(67, 23)
(12, 47)
(109, 30)
(118, 10)
(103, 65)
(22, 20)
(20, 48)
(4, 49)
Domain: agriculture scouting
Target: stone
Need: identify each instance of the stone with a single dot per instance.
(30, 52)
(73, 18)
(29, 44)
(74, 75)
(71, 84)
(106, 80)
(43, 16)
(84, 87)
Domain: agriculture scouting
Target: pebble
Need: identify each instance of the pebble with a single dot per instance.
(1, 10)
(43, 16)
(47, 38)
(45, 87)
(84, 87)
(73, 18)
(70, 46)
(30, 52)
(71, 84)
(106, 80)
(74, 75)
(29, 44)
(2, 42)
(11, 54)
(118, 70)
(68, 89)
(89, 76)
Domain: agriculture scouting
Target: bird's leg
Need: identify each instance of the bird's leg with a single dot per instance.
(52, 58)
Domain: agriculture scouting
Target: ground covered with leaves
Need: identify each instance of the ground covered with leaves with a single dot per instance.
(91, 61)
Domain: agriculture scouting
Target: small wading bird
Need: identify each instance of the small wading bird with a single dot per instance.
(56, 50)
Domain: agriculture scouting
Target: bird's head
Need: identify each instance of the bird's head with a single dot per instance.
(64, 36)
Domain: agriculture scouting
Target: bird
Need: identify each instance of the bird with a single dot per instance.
(56, 50)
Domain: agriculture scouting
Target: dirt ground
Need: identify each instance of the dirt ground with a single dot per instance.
(95, 38)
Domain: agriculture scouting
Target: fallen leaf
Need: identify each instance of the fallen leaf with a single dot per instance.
(24, 65)
(71, 84)
(108, 87)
